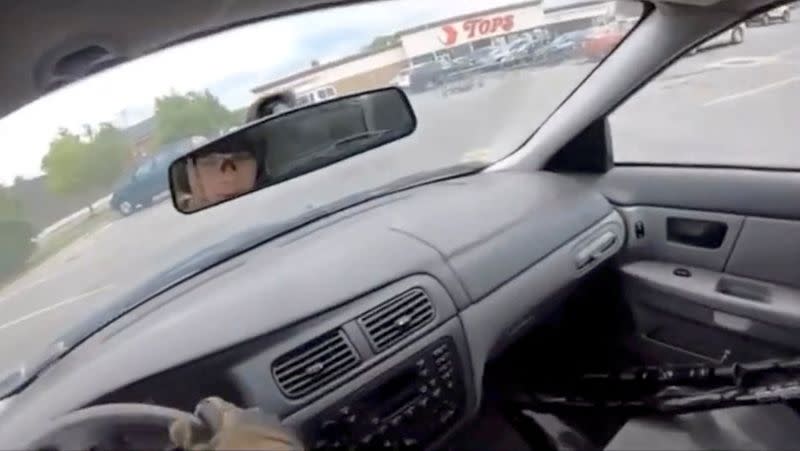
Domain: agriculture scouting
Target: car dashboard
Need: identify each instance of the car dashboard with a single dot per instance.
(368, 328)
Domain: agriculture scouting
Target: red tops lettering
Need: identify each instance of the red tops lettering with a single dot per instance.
(491, 25)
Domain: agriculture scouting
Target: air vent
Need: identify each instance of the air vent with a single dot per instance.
(315, 364)
(397, 318)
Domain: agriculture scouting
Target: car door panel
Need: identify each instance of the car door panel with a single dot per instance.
(774, 304)
(748, 192)
(711, 265)
(702, 317)
(648, 237)
(768, 249)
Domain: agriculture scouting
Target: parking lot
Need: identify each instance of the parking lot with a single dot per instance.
(732, 105)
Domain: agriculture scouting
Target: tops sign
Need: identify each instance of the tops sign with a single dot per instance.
(476, 28)
(458, 32)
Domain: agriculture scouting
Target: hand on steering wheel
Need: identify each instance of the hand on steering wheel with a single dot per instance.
(227, 427)
(216, 425)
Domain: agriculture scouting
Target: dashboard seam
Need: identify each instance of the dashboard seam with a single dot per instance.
(346, 214)
(484, 239)
(572, 238)
(445, 259)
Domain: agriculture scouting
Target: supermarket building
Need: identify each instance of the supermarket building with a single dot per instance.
(453, 37)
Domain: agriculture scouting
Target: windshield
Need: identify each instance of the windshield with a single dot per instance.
(84, 168)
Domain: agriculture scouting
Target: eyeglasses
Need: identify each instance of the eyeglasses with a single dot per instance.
(215, 160)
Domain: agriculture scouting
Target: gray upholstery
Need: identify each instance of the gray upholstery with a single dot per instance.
(738, 428)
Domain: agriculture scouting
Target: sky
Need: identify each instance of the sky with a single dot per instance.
(229, 64)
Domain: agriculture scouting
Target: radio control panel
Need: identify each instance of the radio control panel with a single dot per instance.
(409, 407)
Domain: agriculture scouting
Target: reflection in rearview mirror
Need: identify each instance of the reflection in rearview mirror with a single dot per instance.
(287, 145)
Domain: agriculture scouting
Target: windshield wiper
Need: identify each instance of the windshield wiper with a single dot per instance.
(204, 260)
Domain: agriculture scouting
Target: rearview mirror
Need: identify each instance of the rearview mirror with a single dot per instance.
(286, 145)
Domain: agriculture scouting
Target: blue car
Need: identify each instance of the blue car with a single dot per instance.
(149, 179)
(564, 47)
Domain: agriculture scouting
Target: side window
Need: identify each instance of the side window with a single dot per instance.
(164, 158)
(732, 101)
(143, 170)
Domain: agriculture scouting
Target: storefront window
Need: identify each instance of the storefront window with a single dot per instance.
(326, 93)
(422, 59)
(456, 52)
(483, 43)
(568, 27)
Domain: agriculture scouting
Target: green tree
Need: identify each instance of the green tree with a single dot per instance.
(382, 42)
(65, 163)
(180, 116)
(15, 245)
(106, 156)
(15, 235)
(10, 208)
(74, 165)
(239, 116)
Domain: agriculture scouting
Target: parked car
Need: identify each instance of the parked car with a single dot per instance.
(402, 80)
(427, 76)
(563, 47)
(500, 53)
(460, 80)
(483, 59)
(537, 36)
(481, 56)
(781, 13)
(462, 61)
(731, 36)
(137, 189)
(601, 41)
(519, 52)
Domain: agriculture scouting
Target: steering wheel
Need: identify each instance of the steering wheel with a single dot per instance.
(110, 426)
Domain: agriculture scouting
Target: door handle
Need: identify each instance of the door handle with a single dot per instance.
(696, 232)
(595, 249)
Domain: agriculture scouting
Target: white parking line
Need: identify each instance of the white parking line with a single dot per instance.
(753, 91)
(59, 304)
(19, 290)
(788, 51)
(102, 229)
(741, 62)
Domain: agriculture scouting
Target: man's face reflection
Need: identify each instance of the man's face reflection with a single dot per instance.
(221, 176)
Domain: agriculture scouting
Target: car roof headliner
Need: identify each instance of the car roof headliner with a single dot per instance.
(36, 35)
(47, 44)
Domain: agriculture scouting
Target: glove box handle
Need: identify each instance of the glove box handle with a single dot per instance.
(594, 250)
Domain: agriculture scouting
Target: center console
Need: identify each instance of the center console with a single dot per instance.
(409, 407)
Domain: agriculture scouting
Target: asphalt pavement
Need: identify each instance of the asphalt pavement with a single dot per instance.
(735, 105)
(731, 105)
